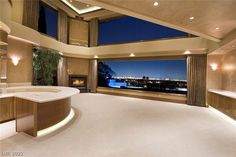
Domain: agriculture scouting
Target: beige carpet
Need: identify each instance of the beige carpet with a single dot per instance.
(112, 126)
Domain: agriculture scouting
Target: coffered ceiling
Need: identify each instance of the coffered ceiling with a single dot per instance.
(79, 7)
(211, 19)
(76, 8)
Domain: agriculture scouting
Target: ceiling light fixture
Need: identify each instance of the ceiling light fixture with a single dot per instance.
(155, 4)
(132, 55)
(191, 18)
(95, 56)
(217, 28)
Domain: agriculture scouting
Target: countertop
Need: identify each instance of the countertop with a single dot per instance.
(39, 94)
(226, 93)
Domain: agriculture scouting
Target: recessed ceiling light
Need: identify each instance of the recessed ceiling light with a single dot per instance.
(95, 56)
(87, 5)
(217, 28)
(187, 52)
(191, 18)
(155, 4)
(132, 55)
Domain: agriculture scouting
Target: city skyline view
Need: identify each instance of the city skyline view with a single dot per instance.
(154, 69)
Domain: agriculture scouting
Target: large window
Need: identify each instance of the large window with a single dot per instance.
(47, 21)
(129, 29)
(148, 75)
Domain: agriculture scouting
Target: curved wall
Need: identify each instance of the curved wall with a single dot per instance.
(150, 48)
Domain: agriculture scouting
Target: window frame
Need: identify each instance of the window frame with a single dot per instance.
(41, 3)
(115, 18)
(180, 57)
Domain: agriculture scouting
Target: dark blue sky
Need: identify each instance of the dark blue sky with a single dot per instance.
(129, 29)
(51, 20)
(173, 69)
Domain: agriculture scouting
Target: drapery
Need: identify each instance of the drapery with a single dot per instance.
(196, 77)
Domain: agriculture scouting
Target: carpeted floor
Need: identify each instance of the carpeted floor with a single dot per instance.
(113, 126)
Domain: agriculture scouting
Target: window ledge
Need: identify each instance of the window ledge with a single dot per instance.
(170, 97)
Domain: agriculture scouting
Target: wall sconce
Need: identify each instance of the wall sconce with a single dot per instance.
(187, 52)
(15, 60)
(132, 55)
(214, 67)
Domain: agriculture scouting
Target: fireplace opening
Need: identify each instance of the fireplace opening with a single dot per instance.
(78, 81)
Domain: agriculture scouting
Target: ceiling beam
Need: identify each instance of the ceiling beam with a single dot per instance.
(100, 14)
(227, 44)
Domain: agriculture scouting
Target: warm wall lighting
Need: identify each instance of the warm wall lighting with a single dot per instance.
(214, 67)
(217, 28)
(15, 60)
(132, 55)
(155, 4)
(187, 52)
(95, 56)
(57, 126)
(223, 116)
(191, 18)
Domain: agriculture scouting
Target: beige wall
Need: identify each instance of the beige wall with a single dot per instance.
(78, 66)
(229, 71)
(17, 11)
(78, 32)
(225, 76)
(23, 71)
(214, 78)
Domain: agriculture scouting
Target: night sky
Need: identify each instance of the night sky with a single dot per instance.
(51, 20)
(129, 29)
(173, 69)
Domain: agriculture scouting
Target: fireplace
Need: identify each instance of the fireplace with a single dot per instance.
(78, 81)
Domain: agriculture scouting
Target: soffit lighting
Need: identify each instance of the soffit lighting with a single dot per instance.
(223, 116)
(132, 55)
(187, 52)
(155, 4)
(191, 18)
(57, 126)
(81, 11)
